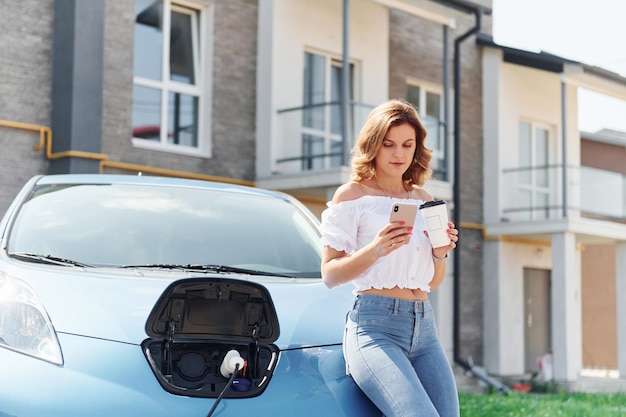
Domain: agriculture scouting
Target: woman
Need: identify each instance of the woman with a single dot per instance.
(391, 345)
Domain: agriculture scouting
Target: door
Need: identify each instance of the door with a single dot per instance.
(537, 326)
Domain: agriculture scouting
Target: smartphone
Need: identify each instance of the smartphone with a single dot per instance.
(404, 212)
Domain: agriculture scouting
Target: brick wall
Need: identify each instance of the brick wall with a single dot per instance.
(605, 156)
(26, 73)
(599, 309)
(234, 89)
(117, 80)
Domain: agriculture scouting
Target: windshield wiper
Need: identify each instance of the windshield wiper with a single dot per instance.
(235, 270)
(48, 259)
(224, 269)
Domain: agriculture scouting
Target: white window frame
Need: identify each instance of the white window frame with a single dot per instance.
(532, 186)
(330, 61)
(202, 46)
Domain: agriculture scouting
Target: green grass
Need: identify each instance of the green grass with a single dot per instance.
(542, 405)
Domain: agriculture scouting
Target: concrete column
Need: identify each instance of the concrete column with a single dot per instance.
(77, 80)
(566, 308)
(492, 346)
(620, 286)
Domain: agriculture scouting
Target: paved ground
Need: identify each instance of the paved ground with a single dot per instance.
(591, 383)
(466, 382)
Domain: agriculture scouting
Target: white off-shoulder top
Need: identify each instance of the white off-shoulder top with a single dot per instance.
(350, 225)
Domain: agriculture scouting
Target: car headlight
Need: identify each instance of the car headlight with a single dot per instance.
(24, 323)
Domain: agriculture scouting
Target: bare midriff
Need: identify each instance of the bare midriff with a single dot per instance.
(396, 292)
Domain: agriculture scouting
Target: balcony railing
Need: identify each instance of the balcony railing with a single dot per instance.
(538, 193)
(309, 138)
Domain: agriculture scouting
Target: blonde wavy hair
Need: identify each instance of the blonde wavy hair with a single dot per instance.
(388, 114)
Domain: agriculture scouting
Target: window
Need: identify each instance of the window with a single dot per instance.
(167, 93)
(322, 145)
(535, 172)
(429, 104)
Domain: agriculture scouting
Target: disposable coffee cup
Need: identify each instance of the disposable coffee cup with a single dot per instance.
(435, 216)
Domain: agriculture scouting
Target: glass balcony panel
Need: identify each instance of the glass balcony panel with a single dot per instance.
(591, 192)
(360, 112)
(335, 97)
(335, 119)
(314, 117)
(313, 151)
(541, 202)
(524, 205)
(336, 153)
(524, 201)
(314, 92)
(301, 147)
(541, 156)
(524, 152)
(602, 193)
(623, 198)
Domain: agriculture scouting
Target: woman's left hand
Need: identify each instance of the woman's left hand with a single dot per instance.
(453, 234)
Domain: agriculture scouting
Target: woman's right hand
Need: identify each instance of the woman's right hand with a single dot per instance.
(391, 237)
(338, 267)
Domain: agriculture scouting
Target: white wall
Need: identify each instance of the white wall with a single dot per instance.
(317, 24)
(526, 94)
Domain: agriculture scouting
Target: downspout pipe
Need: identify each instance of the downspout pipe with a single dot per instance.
(346, 83)
(457, 185)
(446, 101)
(564, 148)
(468, 364)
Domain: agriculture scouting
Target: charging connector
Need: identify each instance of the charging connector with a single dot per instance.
(232, 361)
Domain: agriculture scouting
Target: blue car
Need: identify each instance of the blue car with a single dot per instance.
(147, 296)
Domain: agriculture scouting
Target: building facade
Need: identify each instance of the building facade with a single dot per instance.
(240, 91)
(555, 233)
(272, 93)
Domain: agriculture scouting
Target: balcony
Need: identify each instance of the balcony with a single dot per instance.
(538, 194)
(308, 140)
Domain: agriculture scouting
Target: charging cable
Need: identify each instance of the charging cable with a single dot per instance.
(219, 397)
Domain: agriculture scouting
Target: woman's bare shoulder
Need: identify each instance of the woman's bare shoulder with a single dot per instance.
(419, 193)
(349, 191)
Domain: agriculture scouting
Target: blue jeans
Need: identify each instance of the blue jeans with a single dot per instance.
(393, 352)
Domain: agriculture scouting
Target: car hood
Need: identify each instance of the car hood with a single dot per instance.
(115, 304)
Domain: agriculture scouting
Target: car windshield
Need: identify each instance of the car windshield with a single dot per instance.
(123, 225)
